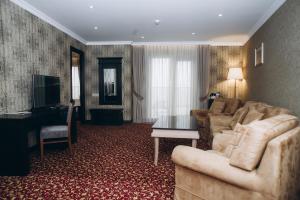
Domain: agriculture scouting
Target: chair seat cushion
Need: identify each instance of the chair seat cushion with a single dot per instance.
(51, 132)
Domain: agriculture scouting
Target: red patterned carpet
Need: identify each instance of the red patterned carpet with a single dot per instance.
(108, 163)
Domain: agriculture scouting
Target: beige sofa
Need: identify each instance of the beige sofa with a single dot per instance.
(263, 164)
(205, 117)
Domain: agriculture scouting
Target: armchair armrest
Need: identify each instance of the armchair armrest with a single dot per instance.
(215, 165)
(199, 112)
(220, 120)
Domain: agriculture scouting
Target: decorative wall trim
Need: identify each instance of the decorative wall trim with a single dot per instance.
(212, 43)
(47, 19)
(274, 7)
(108, 43)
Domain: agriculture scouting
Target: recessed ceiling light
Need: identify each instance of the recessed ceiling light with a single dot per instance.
(142, 37)
(157, 21)
(96, 27)
(193, 33)
(220, 15)
(91, 6)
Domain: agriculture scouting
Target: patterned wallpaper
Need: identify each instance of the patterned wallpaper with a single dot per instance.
(92, 73)
(222, 58)
(277, 81)
(30, 46)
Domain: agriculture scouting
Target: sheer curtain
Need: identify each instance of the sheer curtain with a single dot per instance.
(172, 80)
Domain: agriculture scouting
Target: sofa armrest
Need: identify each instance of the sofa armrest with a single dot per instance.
(215, 165)
(199, 112)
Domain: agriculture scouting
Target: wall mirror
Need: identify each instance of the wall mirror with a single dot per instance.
(110, 81)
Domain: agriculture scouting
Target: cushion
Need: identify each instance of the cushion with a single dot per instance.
(51, 132)
(217, 107)
(238, 116)
(252, 115)
(255, 137)
(237, 133)
(232, 106)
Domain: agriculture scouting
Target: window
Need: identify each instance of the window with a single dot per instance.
(75, 83)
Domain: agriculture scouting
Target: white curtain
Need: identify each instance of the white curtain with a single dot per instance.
(75, 83)
(172, 81)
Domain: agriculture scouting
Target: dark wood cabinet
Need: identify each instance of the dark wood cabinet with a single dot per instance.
(107, 116)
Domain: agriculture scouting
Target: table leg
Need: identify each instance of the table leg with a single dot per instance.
(194, 143)
(156, 149)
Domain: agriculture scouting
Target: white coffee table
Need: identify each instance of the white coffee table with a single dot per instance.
(184, 127)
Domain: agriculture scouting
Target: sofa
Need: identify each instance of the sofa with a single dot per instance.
(222, 110)
(256, 160)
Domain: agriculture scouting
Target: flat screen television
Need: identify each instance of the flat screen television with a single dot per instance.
(46, 91)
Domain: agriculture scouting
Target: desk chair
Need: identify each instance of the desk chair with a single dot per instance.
(57, 133)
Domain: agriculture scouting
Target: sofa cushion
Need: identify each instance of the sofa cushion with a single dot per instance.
(231, 106)
(252, 115)
(249, 151)
(237, 134)
(239, 116)
(217, 107)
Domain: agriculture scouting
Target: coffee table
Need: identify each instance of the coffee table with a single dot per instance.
(185, 127)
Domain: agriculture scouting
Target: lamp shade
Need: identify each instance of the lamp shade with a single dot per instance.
(235, 73)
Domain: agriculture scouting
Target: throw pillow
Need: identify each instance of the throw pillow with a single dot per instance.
(232, 106)
(253, 115)
(250, 150)
(238, 133)
(238, 116)
(217, 107)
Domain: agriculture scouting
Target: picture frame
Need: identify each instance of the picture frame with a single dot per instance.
(259, 55)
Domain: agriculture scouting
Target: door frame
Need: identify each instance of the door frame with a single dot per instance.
(82, 81)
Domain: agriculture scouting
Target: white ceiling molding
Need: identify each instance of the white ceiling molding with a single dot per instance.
(212, 43)
(47, 19)
(109, 43)
(267, 15)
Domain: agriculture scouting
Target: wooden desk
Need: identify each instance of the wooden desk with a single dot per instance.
(14, 128)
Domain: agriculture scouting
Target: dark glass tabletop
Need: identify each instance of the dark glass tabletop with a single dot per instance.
(184, 122)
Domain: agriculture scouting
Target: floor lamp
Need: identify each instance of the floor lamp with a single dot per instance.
(235, 73)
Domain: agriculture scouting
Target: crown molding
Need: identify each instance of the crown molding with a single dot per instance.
(46, 18)
(212, 43)
(108, 43)
(264, 18)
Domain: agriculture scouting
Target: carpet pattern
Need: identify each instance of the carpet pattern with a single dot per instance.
(107, 163)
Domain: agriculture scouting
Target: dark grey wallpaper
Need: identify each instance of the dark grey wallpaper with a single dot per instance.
(277, 81)
(30, 46)
(92, 76)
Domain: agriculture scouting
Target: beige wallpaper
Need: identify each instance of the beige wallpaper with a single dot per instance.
(222, 58)
(29, 46)
(277, 81)
(92, 73)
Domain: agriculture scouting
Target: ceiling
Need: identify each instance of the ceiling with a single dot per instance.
(134, 20)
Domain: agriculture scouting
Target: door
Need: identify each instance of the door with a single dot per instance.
(77, 81)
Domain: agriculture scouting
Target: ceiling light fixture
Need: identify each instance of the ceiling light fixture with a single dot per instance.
(91, 6)
(193, 33)
(142, 37)
(220, 15)
(157, 22)
(96, 27)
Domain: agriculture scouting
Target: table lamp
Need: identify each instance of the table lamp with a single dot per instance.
(235, 73)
